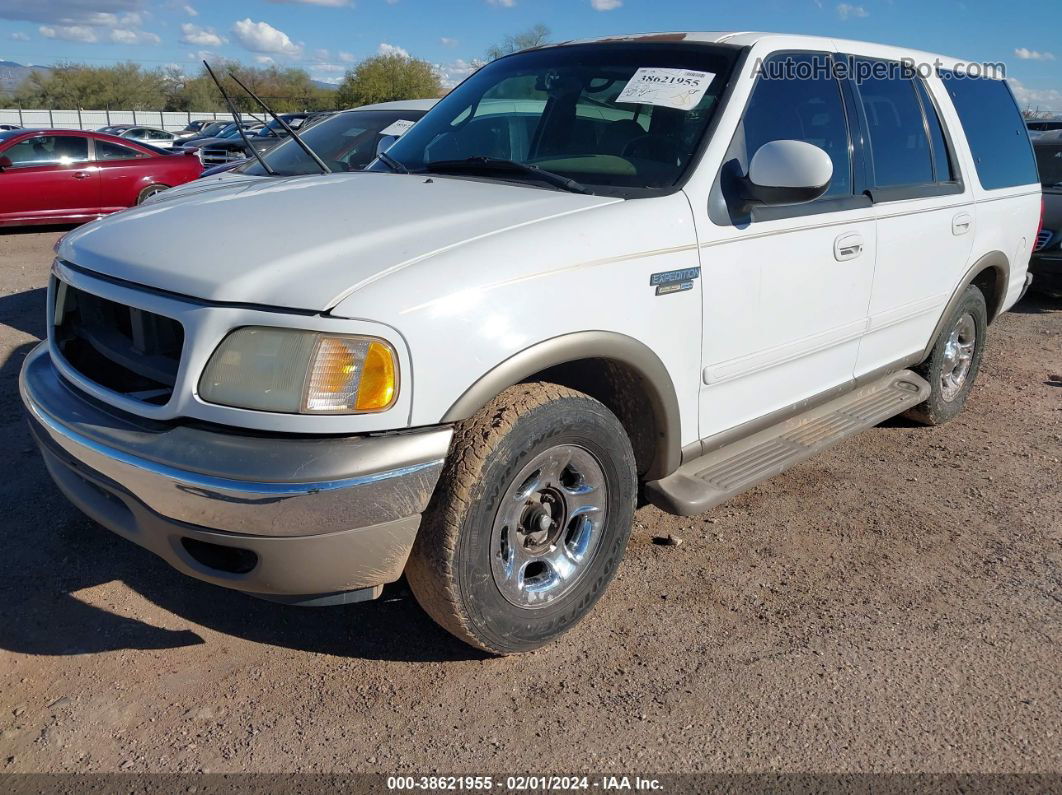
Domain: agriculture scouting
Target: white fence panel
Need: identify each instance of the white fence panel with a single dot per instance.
(94, 119)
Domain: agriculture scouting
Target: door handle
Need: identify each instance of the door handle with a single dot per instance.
(848, 246)
(81, 175)
(961, 224)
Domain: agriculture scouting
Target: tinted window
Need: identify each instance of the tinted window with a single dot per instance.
(1049, 161)
(106, 150)
(896, 129)
(801, 104)
(943, 168)
(994, 129)
(158, 135)
(45, 149)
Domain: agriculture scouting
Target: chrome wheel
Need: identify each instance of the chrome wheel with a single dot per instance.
(958, 356)
(548, 526)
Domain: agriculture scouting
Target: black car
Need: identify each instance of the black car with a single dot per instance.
(1046, 263)
(1044, 125)
(218, 151)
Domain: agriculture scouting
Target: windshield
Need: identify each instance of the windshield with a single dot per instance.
(1049, 161)
(623, 117)
(346, 142)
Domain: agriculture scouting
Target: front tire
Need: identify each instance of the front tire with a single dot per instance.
(955, 361)
(530, 519)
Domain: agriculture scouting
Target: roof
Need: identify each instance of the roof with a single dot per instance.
(780, 41)
(401, 104)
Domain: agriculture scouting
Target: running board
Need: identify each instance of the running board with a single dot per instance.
(711, 479)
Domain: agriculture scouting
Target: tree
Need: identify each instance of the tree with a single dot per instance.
(125, 86)
(535, 36)
(384, 78)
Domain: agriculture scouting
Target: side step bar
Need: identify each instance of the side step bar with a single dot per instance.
(711, 479)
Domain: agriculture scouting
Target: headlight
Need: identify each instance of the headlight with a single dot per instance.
(301, 372)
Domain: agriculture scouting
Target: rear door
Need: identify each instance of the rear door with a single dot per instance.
(50, 177)
(925, 211)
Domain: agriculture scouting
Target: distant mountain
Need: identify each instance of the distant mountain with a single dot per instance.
(317, 84)
(12, 74)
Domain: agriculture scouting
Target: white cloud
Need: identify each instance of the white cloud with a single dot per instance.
(19, 37)
(69, 13)
(849, 11)
(391, 49)
(327, 3)
(450, 74)
(190, 11)
(605, 5)
(1049, 99)
(263, 37)
(446, 41)
(346, 57)
(502, 3)
(122, 36)
(1033, 55)
(80, 33)
(265, 60)
(200, 37)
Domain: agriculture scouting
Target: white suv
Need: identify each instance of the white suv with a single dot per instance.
(683, 260)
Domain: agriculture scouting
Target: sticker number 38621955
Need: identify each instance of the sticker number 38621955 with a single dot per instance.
(673, 88)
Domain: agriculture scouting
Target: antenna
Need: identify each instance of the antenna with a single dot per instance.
(313, 155)
(236, 118)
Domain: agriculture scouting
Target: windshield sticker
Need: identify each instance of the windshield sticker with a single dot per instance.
(673, 88)
(400, 127)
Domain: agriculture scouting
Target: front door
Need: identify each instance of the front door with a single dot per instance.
(786, 289)
(50, 177)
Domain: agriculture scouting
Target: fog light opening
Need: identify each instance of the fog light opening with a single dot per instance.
(231, 560)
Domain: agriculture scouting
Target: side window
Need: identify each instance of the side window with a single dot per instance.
(943, 167)
(158, 135)
(994, 130)
(899, 145)
(49, 150)
(106, 150)
(796, 99)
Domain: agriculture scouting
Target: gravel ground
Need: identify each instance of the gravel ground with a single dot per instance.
(892, 605)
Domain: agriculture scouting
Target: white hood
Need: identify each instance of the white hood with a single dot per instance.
(303, 242)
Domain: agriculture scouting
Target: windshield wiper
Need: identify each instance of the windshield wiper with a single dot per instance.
(393, 164)
(481, 164)
(295, 136)
(238, 120)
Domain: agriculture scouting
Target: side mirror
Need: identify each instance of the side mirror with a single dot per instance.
(5, 162)
(788, 172)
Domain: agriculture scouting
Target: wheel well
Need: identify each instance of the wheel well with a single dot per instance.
(622, 389)
(992, 282)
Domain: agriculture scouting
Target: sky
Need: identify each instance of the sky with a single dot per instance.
(327, 36)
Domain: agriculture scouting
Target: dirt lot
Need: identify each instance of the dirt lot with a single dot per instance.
(893, 605)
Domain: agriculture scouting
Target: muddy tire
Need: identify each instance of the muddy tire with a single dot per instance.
(529, 521)
(955, 361)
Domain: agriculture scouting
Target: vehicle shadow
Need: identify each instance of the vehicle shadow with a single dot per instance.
(54, 558)
(1035, 303)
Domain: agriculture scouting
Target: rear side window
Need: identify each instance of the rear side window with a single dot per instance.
(899, 142)
(995, 130)
(943, 167)
(1049, 160)
(803, 105)
(107, 150)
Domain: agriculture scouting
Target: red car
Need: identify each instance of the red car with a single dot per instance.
(68, 176)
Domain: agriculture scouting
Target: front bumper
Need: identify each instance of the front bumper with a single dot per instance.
(284, 517)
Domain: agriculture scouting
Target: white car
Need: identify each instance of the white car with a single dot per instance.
(688, 261)
(150, 135)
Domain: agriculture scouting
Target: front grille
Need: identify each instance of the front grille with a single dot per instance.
(1043, 240)
(217, 157)
(126, 350)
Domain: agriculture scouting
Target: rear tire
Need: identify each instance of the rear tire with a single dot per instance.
(955, 361)
(529, 521)
(150, 191)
